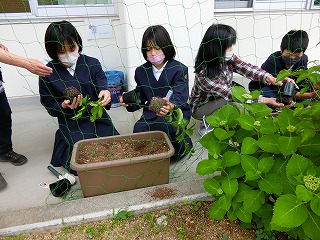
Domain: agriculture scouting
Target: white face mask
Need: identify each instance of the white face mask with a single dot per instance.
(228, 56)
(69, 59)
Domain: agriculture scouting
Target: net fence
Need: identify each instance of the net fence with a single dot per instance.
(112, 32)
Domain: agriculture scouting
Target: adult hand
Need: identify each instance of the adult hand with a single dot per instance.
(106, 97)
(36, 67)
(166, 108)
(72, 105)
(273, 102)
(3, 47)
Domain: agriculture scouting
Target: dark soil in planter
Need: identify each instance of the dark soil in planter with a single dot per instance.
(156, 104)
(101, 151)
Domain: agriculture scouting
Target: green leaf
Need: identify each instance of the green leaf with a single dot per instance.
(268, 143)
(249, 163)
(230, 159)
(249, 146)
(311, 226)
(271, 183)
(252, 175)
(267, 126)
(225, 202)
(229, 186)
(283, 74)
(311, 147)
(222, 134)
(289, 212)
(216, 212)
(288, 145)
(243, 189)
(253, 200)
(297, 166)
(238, 93)
(265, 164)
(287, 121)
(315, 204)
(214, 148)
(307, 134)
(212, 186)
(224, 116)
(235, 171)
(303, 194)
(206, 167)
(247, 122)
(232, 216)
(244, 216)
(258, 110)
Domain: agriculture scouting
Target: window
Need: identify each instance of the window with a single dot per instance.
(55, 8)
(315, 4)
(232, 4)
(14, 6)
(247, 5)
(58, 8)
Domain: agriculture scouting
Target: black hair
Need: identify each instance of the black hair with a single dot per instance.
(57, 35)
(217, 39)
(160, 37)
(295, 41)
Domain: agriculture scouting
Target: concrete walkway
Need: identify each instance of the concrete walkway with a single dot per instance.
(25, 206)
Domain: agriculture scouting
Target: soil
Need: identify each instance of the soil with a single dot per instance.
(189, 221)
(156, 104)
(100, 151)
(70, 93)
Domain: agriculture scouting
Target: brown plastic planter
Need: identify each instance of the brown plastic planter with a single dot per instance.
(123, 174)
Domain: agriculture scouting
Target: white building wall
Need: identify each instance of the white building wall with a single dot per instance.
(186, 21)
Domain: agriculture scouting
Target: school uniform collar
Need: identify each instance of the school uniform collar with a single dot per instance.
(157, 72)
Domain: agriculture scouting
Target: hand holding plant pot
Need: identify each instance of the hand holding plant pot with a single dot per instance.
(130, 98)
(73, 97)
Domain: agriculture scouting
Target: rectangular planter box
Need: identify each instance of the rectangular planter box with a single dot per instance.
(124, 174)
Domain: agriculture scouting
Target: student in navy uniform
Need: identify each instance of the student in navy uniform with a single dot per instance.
(291, 56)
(155, 78)
(71, 68)
(7, 154)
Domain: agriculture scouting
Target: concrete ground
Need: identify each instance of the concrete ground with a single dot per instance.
(25, 206)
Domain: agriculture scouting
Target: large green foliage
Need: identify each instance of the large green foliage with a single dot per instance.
(269, 165)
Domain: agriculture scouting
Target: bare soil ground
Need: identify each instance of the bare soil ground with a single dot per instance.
(189, 221)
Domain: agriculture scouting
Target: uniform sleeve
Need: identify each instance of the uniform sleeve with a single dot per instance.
(180, 87)
(50, 101)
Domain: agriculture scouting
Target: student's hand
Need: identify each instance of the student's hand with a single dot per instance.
(36, 67)
(123, 103)
(106, 97)
(273, 102)
(72, 105)
(166, 108)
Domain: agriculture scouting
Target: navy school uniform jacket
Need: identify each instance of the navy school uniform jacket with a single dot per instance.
(89, 79)
(174, 77)
(273, 65)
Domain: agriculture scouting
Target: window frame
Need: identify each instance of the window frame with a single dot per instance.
(265, 5)
(72, 10)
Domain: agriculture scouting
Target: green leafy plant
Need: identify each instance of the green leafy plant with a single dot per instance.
(96, 110)
(310, 76)
(124, 214)
(176, 119)
(270, 167)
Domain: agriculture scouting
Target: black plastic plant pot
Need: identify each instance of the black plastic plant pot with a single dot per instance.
(286, 93)
(132, 97)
